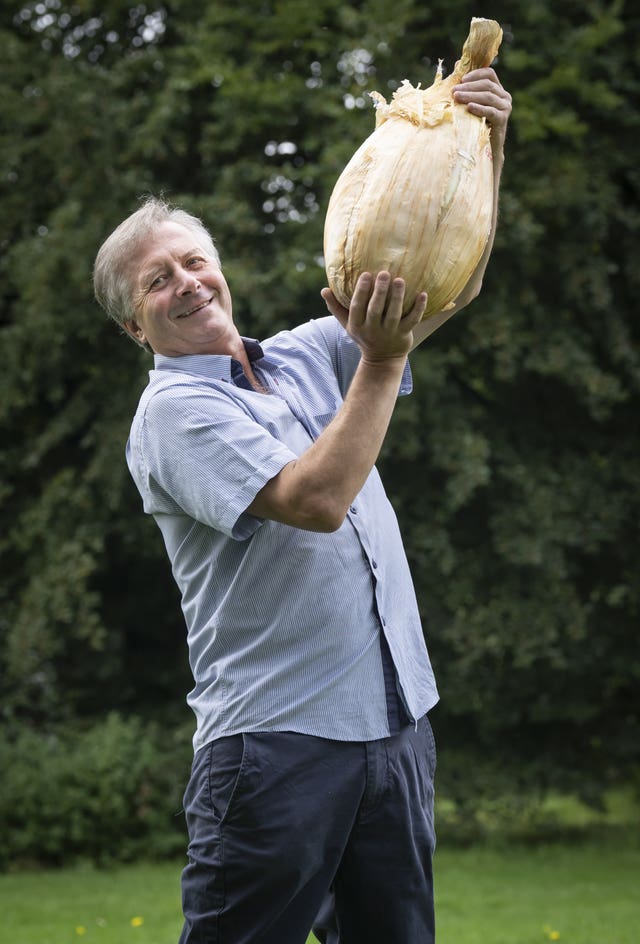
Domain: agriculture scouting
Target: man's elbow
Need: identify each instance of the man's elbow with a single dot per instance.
(323, 514)
(299, 505)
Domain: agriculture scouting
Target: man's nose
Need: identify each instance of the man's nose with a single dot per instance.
(187, 282)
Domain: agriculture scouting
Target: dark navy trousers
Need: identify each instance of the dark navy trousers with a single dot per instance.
(289, 833)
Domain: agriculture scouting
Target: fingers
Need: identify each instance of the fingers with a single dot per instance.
(333, 304)
(360, 299)
(387, 298)
(418, 310)
(375, 318)
(371, 299)
(482, 93)
(378, 300)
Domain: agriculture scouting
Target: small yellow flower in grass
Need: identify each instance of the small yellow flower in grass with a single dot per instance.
(554, 935)
(80, 929)
(137, 921)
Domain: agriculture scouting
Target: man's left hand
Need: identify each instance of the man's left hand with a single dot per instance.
(482, 92)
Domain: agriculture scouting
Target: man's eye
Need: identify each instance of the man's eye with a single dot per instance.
(195, 260)
(156, 282)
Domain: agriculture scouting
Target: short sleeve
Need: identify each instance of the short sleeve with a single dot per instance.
(198, 452)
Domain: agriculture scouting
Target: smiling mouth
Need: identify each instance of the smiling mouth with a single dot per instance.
(207, 301)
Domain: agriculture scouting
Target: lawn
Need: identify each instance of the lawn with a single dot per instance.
(581, 894)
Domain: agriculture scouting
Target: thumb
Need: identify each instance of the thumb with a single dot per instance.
(334, 306)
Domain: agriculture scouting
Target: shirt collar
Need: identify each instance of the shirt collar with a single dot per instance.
(216, 366)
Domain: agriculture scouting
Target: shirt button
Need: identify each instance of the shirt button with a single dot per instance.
(374, 564)
(353, 510)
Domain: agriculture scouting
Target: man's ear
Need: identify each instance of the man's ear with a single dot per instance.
(133, 328)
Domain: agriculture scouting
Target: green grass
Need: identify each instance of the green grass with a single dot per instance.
(86, 906)
(582, 894)
(579, 894)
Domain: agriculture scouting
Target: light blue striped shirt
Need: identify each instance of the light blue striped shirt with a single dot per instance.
(283, 624)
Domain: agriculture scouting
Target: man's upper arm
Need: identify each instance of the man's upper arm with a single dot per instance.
(207, 454)
(428, 325)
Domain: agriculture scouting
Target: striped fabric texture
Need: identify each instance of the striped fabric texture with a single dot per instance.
(283, 625)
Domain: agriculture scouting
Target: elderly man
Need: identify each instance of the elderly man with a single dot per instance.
(314, 758)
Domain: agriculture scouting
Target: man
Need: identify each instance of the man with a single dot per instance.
(311, 792)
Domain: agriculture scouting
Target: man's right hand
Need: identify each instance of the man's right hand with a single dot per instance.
(374, 318)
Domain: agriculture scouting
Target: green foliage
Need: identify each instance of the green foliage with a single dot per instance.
(514, 465)
(110, 793)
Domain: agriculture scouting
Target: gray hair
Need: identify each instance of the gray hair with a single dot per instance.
(112, 271)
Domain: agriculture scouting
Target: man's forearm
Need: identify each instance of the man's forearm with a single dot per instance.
(315, 491)
(474, 285)
(485, 97)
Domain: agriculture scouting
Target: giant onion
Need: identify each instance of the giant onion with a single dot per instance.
(416, 198)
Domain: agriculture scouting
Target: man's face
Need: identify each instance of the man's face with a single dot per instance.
(181, 300)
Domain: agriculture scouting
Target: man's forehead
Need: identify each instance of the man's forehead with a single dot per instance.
(169, 241)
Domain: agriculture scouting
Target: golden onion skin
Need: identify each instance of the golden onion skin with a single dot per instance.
(416, 198)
